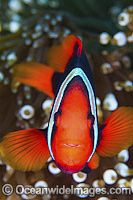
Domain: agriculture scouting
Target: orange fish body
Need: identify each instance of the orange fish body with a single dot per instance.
(70, 143)
(73, 130)
(72, 137)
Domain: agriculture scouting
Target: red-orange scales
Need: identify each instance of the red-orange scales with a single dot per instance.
(72, 144)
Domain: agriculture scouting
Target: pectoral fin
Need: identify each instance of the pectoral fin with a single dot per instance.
(117, 133)
(25, 150)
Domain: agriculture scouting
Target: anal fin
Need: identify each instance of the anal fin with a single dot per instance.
(92, 164)
(94, 161)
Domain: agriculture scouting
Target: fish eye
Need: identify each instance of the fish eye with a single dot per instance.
(57, 118)
(90, 119)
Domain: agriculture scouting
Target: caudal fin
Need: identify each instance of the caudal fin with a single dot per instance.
(25, 150)
(117, 133)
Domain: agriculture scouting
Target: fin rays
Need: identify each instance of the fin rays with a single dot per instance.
(26, 152)
(36, 75)
(118, 132)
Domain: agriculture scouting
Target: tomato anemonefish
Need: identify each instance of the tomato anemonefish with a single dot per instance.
(72, 138)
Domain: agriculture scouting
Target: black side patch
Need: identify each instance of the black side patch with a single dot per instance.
(86, 169)
(56, 79)
(100, 133)
(44, 131)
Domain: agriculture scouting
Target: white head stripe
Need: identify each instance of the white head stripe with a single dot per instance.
(75, 72)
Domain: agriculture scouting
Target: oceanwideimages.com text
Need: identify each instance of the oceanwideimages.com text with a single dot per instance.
(8, 190)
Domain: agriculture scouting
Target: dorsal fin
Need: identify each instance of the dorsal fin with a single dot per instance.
(37, 75)
(59, 55)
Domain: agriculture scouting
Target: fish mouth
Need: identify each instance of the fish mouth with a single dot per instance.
(72, 144)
